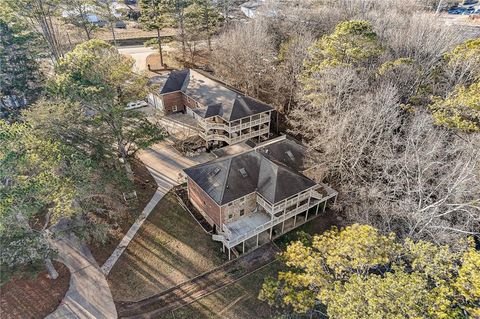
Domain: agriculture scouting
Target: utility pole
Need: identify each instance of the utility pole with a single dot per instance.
(439, 7)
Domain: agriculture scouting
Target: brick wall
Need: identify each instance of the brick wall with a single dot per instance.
(189, 102)
(204, 203)
(173, 99)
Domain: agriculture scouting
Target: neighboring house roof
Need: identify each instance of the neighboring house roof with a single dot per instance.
(276, 179)
(217, 98)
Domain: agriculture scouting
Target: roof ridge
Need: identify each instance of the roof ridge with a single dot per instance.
(224, 186)
(275, 175)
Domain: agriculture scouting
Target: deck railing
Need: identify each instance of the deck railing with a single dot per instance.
(233, 140)
(234, 127)
(230, 242)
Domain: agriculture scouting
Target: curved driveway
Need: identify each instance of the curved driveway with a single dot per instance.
(89, 296)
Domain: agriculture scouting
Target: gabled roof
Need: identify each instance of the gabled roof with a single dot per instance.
(230, 178)
(217, 98)
(174, 81)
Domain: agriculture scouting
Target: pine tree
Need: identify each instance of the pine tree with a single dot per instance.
(19, 67)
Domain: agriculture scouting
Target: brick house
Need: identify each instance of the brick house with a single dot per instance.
(257, 194)
(225, 115)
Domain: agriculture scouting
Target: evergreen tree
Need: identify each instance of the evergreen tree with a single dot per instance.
(20, 74)
(155, 16)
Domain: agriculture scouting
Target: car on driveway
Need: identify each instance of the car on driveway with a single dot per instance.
(136, 105)
(456, 11)
(119, 24)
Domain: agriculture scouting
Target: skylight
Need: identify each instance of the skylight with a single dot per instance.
(216, 171)
(290, 154)
(243, 172)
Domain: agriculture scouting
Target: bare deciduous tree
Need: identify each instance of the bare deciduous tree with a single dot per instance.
(244, 57)
(394, 169)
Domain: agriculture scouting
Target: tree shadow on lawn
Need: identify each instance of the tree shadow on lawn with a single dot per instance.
(169, 248)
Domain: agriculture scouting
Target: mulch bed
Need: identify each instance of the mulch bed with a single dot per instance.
(145, 187)
(33, 297)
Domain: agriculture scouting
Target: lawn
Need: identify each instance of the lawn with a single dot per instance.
(240, 300)
(169, 248)
(235, 301)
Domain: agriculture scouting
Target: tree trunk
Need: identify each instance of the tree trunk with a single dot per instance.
(126, 164)
(52, 272)
(182, 34)
(87, 32)
(159, 39)
(113, 34)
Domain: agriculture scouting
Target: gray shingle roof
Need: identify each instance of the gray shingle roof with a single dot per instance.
(174, 81)
(217, 98)
(275, 180)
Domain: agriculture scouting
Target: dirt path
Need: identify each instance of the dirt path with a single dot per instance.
(200, 286)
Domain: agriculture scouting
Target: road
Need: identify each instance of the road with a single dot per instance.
(139, 53)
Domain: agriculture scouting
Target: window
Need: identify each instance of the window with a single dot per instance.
(230, 204)
(230, 216)
(174, 108)
(242, 212)
(241, 200)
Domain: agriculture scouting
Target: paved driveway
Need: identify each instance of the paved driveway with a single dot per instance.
(139, 54)
(89, 295)
(166, 164)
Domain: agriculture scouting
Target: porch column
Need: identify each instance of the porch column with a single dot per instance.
(318, 206)
(335, 200)
(269, 119)
(308, 204)
(243, 247)
(228, 253)
(271, 232)
(257, 239)
(283, 226)
(294, 220)
(324, 205)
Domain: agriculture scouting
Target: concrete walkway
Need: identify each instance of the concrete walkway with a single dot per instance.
(108, 265)
(89, 295)
(165, 164)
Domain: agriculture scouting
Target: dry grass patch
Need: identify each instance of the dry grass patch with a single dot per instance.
(169, 248)
(236, 301)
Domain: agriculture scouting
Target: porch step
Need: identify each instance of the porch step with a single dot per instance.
(218, 238)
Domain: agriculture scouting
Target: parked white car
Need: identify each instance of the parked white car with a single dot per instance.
(136, 105)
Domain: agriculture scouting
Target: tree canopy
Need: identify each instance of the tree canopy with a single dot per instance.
(20, 50)
(42, 181)
(352, 43)
(356, 272)
(102, 81)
